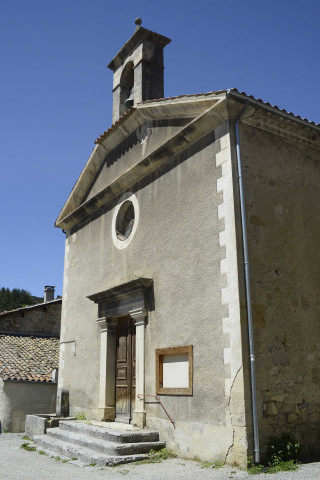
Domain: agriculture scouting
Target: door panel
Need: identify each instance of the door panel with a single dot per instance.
(133, 367)
(125, 368)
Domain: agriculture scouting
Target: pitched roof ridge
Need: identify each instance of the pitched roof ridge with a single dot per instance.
(190, 95)
(56, 300)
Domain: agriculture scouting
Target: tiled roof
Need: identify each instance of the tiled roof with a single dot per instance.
(251, 97)
(217, 92)
(29, 307)
(28, 358)
(236, 91)
(120, 120)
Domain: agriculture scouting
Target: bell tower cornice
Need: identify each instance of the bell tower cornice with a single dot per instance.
(138, 70)
(140, 36)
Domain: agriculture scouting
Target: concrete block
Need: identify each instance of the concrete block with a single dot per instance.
(35, 425)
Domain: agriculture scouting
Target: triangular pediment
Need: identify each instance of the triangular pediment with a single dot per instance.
(140, 142)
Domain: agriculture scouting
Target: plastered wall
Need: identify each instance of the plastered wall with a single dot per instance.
(185, 219)
(18, 399)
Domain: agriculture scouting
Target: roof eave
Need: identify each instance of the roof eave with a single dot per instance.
(258, 103)
(29, 307)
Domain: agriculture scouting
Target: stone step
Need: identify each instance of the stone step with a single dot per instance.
(94, 442)
(85, 455)
(101, 444)
(105, 432)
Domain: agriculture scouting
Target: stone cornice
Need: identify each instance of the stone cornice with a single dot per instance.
(138, 315)
(286, 128)
(207, 111)
(121, 291)
(133, 297)
(215, 113)
(106, 324)
(273, 120)
(140, 35)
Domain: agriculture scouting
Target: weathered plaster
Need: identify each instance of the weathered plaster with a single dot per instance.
(177, 245)
(18, 399)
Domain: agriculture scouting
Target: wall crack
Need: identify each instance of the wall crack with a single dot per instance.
(230, 414)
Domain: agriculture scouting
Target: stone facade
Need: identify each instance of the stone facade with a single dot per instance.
(281, 201)
(29, 338)
(42, 319)
(171, 266)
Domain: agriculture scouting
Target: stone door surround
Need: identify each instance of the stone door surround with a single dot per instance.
(132, 298)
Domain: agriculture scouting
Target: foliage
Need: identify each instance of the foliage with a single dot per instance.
(163, 454)
(157, 457)
(16, 298)
(283, 449)
(81, 415)
(283, 466)
(216, 464)
(28, 447)
(255, 469)
(283, 455)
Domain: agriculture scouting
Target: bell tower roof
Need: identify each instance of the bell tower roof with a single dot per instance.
(138, 70)
(140, 35)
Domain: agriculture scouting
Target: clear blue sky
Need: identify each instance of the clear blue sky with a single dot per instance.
(56, 99)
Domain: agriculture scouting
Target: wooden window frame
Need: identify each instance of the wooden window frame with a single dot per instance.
(160, 352)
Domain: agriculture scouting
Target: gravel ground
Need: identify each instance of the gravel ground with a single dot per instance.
(19, 464)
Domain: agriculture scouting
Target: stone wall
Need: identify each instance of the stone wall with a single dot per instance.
(40, 320)
(282, 196)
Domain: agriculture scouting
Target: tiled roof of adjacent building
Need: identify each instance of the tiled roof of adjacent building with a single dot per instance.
(28, 358)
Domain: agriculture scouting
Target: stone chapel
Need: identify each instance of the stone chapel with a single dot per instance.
(191, 272)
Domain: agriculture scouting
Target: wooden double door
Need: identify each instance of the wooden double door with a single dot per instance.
(125, 369)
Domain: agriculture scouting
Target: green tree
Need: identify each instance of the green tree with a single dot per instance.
(16, 298)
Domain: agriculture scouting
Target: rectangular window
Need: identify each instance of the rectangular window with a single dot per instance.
(174, 370)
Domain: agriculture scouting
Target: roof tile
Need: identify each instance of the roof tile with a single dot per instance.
(28, 358)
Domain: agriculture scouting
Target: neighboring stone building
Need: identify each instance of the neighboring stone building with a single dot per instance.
(29, 354)
(40, 319)
(157, 296)
(27, 381)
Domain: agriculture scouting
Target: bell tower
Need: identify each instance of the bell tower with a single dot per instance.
(138, 70)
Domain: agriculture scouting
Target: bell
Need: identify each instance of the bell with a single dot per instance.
(129, 102)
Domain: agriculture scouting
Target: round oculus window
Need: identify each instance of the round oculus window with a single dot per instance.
(125, 220)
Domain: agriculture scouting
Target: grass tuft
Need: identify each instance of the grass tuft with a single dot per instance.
(157, 457)
(216, 464)
(81, 416)
(28, 447)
